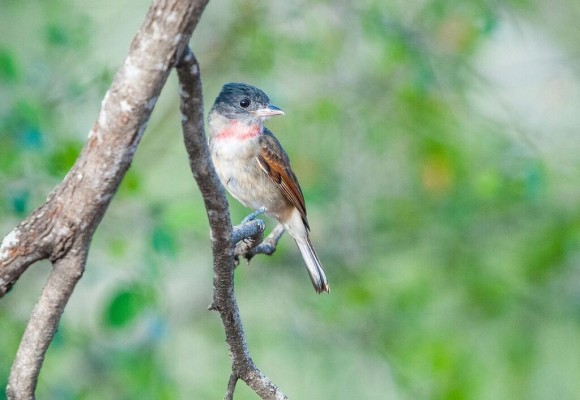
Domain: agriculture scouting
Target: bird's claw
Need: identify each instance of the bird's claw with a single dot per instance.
(253, 215)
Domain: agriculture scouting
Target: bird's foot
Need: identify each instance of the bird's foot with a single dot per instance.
(254, 215)
(248, 235)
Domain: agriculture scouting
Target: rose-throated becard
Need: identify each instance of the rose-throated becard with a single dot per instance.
(255, 169)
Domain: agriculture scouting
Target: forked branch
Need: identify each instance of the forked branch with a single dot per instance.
(62, 228)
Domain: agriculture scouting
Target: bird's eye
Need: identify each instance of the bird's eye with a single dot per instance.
(244, 103)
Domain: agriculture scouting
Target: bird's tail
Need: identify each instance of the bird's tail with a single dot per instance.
(313, 266)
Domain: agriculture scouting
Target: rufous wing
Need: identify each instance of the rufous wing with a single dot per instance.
(275, 163)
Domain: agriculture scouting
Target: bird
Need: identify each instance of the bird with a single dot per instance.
(255, 169)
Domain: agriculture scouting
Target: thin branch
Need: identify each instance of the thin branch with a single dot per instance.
(44, 319)
(216, 204)
(231, 387)
(62, 228)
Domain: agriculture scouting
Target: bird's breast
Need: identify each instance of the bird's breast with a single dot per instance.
(239, 171)
(232, 149)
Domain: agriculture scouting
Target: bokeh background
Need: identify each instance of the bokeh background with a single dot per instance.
(437, 145)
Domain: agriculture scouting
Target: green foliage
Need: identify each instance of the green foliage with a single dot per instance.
(63, 158)
(8, 67)
(126, 305)
(162, 241)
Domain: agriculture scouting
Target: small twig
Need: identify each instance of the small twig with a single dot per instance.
(224, 300)
(231, 387)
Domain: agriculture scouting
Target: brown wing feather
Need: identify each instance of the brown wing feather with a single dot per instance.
(275, 163)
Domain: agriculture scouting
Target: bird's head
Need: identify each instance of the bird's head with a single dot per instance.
(245, 103)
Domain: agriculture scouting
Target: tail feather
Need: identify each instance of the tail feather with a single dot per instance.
(313, 266)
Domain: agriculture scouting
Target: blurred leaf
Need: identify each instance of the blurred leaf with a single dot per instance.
(64, 157)
(71, 33)
(117, 247)
(19, 202)
(126, 305)
(185, 215)
(131, 183)
(57, 35)
(9, 71)
(163, 241)
(359, 295)
(437, 175)
(548, 248)
(9, 158)
(326, 110)
(489, 23)
(31, 139)
(26, 114)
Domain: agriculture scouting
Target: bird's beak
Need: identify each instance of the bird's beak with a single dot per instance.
(269, 111)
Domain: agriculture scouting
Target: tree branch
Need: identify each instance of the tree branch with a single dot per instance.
(43, 323)
(112, 141)
(231, 387)
(62, 228)
(224, 300)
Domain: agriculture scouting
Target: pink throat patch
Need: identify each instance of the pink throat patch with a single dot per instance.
(240, 131)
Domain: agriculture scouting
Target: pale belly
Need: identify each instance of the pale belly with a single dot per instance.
(240, 173)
